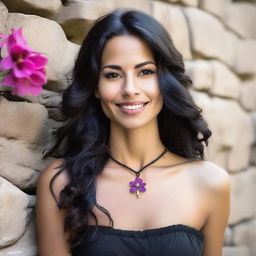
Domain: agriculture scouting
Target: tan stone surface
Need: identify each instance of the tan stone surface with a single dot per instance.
(245, 59)
(253, 155)
(21, 177)
(240, 17)
(51, 41)
(228, 236)
(19, 153)
(216, 7)
(32, 201)
(23, 121)
(225, 82)
(209, 38)
(248, 95)
(236, 251)
(46, 98)
(242, 198)
(143, 5)
(253, 149)
(253, 117)
(42, 8)
(228, 122)
(24, 133)
(252, 169)
(3, 16)
(193, 3)
(26, 245)
(245, 235)
(77, 17)
(201, 73)
(214, 77)
(55, 114)
(12, 213)
(220, 58)
(173, 19)
(204, 101)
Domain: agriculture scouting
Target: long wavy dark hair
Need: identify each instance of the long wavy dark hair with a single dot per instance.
(83, 139)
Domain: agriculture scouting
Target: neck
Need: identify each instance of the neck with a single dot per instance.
(135, 147)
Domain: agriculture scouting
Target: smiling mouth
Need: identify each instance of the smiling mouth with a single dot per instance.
(132, 107)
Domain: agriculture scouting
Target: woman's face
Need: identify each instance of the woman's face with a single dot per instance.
(128, 86)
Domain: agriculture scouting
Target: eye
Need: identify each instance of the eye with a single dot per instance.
(146, 72)
(111, 75)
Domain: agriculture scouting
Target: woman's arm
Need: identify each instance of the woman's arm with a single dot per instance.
(49, 219)
(219, 196)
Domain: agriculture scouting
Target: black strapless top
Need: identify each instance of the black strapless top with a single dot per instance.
(173, 240)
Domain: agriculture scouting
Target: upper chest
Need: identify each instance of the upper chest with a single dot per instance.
(173, 195)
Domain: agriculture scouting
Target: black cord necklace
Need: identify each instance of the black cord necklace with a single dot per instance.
(138, 185)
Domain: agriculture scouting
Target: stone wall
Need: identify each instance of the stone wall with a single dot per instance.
(218, 42)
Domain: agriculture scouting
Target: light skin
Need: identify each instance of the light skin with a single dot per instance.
(194, 194)
(129, 77)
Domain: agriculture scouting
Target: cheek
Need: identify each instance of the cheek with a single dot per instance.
(106, 92)
(156, 95)
(153, 89)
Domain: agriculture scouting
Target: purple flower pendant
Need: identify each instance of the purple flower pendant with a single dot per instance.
(137, 186)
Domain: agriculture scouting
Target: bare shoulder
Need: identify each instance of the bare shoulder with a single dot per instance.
(211, 176)
(49, 172)
(214, 185)
(52, 240)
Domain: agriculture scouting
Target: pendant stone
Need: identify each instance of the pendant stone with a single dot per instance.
(137, 186)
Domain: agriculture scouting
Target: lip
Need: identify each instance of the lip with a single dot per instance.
(132, 111)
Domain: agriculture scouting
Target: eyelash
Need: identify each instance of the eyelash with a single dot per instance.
(113, 75)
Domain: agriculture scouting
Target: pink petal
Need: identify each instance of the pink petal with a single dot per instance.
(9, 80)
(3, 35)
(38, 60)
(17, 50)
(6, 63)
(35, 90)
(38, 78)
(12, 42)
(23, 69)
(23, 86)
(16, 37)
(42, 70)
(19, 36)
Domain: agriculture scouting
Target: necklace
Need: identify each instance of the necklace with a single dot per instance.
(138, 185)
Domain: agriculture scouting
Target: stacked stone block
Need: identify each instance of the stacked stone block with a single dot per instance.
(218, 42)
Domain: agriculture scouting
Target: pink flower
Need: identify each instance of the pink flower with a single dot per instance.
(16, 37)
(27, 67)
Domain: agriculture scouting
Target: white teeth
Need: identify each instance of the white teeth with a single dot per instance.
(132, 106)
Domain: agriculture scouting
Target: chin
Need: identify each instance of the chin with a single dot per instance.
(133, 124)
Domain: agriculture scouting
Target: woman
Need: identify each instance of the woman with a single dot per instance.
(130, 153)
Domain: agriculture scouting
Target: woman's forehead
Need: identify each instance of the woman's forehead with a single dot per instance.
(125, 49)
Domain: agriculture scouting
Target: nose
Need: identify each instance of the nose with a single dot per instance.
(130, 87)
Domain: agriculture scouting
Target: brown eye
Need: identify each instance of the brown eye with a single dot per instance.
(111, 75)
(146, 72)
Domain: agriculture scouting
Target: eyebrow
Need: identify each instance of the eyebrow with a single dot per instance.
(136, 66)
